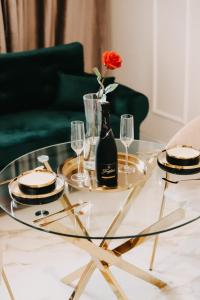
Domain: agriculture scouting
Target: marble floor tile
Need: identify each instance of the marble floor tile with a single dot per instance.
(35, 262)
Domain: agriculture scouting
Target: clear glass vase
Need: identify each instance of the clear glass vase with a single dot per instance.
(93, 122)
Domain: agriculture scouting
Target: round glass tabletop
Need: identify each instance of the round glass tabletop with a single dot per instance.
(147, 201)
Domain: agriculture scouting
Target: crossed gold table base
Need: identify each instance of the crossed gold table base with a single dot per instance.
(101, 256)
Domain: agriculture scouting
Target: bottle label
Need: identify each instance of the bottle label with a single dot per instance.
(108, 171)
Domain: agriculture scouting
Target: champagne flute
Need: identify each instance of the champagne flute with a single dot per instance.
(127, 137)
(77, 144)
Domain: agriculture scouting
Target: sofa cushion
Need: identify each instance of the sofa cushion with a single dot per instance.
(71, 89)
(29, 79)
(25, 131)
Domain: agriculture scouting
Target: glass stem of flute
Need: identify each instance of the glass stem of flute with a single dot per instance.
(126, 158)
(78, 162)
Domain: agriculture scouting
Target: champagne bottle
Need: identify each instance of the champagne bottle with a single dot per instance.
(106, 152)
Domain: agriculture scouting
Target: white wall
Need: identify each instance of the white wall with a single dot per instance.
(159, 41)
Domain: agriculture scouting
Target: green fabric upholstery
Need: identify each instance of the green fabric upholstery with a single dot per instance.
(30, 130)
(128, 101)
(29, 79)
(71, 89)
(41, 92)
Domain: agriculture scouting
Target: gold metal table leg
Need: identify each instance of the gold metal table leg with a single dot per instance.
(108, 256)
(97, 263)
(109, 277)
(111, 230)
(74, 275)
(117, 290)
(165, 222)
(101, 256)
(155, 244)
(134, 242)
(8, 287)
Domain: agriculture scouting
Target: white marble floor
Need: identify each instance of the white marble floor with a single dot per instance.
(35, 262)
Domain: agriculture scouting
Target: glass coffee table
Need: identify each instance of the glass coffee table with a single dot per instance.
(106, 223)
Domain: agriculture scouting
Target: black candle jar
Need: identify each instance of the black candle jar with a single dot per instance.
(183, 156)
(37, 182)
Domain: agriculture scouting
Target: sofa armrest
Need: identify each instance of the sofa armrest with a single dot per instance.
(125, 100)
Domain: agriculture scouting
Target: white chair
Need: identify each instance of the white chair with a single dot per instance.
(188, 135)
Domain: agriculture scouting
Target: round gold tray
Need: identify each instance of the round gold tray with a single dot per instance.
(125, 181)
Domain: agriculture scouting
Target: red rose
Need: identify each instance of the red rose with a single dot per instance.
(111, 60)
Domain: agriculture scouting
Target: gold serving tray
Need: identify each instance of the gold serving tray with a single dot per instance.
(125, 181)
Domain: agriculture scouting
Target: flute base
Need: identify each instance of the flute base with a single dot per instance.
(127, 169)
(79, 177)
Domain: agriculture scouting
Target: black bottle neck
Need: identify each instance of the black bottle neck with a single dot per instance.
(105, 118)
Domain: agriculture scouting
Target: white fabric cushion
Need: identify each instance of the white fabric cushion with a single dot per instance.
(188, 135)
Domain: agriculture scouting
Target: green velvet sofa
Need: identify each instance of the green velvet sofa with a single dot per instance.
(41, 93)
